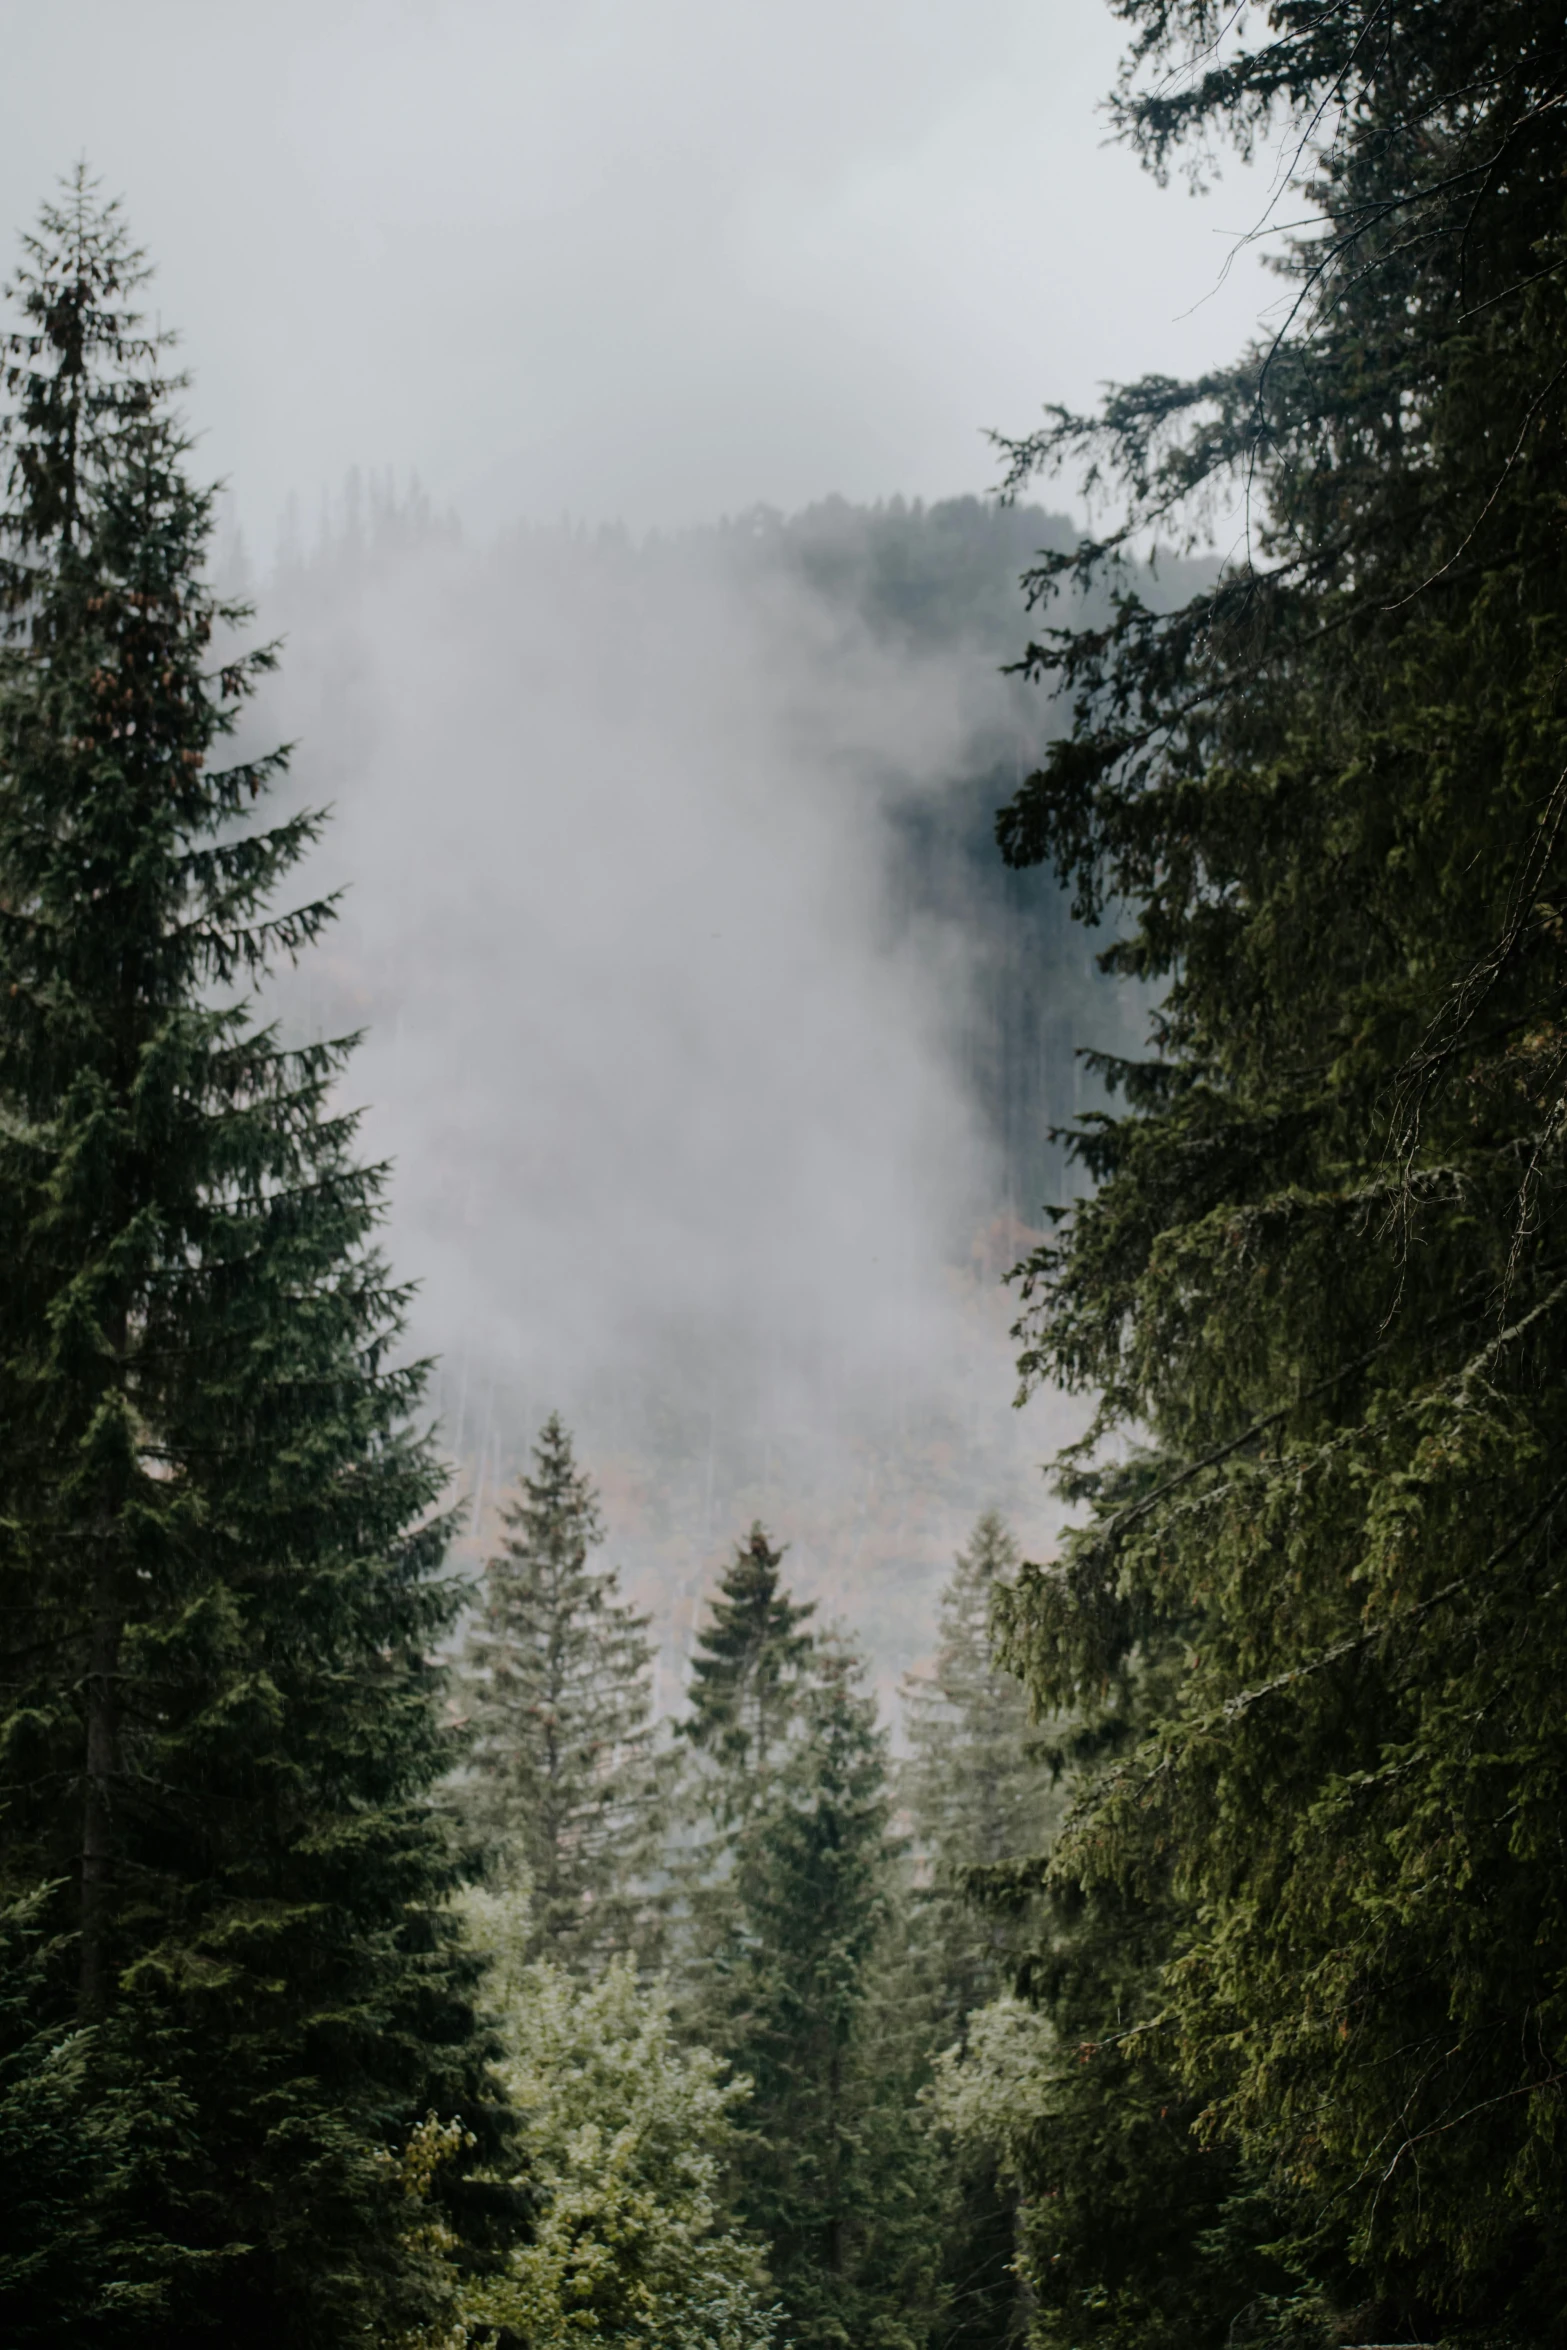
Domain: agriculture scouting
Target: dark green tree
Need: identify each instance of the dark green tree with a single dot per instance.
(745, 1676)
(563, 1775)
(232, 1980)
(1133, 2231)
(748, 1672)
(1320, 1278)
(751, 1664)
(839, 2178)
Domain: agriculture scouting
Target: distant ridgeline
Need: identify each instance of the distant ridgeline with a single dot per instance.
(942, 582)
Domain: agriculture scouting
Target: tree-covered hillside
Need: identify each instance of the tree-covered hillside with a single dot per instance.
(940, 582)
(718, 1052)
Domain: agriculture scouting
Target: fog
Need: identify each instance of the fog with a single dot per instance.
(679, 1059)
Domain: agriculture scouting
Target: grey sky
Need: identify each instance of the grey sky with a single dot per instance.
(647, 259)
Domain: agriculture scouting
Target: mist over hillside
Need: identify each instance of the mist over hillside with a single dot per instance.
(716, 1051)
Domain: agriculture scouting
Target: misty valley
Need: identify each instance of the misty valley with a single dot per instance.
(782, 1352)
(721, 1063)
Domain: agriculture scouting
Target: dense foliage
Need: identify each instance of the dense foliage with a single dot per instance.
(1225, 1998)
(1319, 1285)
(1132, 2230)
(231, 1978)
(630, 2139)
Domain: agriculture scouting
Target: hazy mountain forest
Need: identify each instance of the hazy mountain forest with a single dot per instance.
(403, 1940)
(860, 681)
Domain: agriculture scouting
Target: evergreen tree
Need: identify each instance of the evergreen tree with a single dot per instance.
(980, 1796)
(745, 1675)
(839, 2177)
(630, 2137)
(238, 1980)
(1320, 1278)
(748, 1673)
(564, 1779)
(1132, 2231)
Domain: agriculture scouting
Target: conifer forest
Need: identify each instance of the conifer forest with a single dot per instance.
(485, 1858)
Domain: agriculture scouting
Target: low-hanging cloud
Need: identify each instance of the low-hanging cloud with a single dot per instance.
(666, 1059)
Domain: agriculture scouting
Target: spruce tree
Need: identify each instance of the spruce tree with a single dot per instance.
(563, 1778)
(839, 2177)
(750, 1667)
(219, 1588)
(1319, 1281)
(745, 1676)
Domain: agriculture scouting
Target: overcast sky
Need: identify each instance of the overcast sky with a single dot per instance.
(653, 260)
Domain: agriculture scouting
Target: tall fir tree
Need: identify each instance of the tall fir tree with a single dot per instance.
(564, 1777)
(749, 1669)
(809, 2002)
(745, 1676)
(237, 1978)
(1320, 1276)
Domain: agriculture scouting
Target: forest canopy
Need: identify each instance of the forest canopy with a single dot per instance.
(377, 1967)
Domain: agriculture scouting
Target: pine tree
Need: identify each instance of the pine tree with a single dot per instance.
(745, 1675)
(564, 1779)
(750, 1667)
(218, 1560)
(839, 2178)
(1320, 1277)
